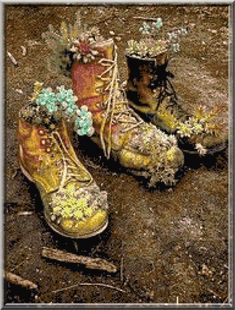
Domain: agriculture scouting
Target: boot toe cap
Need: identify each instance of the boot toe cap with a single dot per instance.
(85, 228)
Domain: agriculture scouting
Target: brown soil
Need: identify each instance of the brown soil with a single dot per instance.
(173, 242)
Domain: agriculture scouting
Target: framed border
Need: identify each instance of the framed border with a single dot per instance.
(231, 161)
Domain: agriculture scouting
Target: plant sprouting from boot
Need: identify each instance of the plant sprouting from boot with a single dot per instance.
(201, 123)
(48, 107)
(155, 40)
(72, 42)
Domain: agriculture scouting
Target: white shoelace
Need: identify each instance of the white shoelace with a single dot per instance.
(116, 104)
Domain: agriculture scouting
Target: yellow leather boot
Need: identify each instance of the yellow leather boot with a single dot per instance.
(74, 206)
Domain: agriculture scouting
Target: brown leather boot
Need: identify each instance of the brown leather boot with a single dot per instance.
(151, 93)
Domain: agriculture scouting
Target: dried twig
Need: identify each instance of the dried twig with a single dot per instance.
(215, 294)
(24, 50)
(20, 264)
(88, 262)
(89, 284)
(25, 213)
(17, 280)
(144, 18)
(14, 174)
(121, 270)
(121, 265)
(12, 58)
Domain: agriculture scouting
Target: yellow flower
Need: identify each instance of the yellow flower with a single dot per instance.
(184, 130)
(36, 90)
(170, 155)
(169, 119)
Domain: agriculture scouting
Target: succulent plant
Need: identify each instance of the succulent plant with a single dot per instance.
(71, 43)
(52, 106)
(154, 41)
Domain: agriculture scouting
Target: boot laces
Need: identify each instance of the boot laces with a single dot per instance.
(71, 166)
(116, 105)
(162, 79)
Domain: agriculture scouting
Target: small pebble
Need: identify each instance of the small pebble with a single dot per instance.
(112, 33)
(214, 31)
(24, 51)
(118, 38)
(19, 91)
(192, 25)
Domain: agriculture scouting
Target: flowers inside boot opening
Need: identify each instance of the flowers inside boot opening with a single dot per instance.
(71, 196)
(155, 40)
(202, 131)
(48, 107)
(71, 43)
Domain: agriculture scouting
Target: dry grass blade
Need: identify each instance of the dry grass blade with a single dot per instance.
(88, 262)
(17, 280)
(145, 18)
(89, 284)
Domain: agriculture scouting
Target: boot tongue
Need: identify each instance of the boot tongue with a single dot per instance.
(106, 48)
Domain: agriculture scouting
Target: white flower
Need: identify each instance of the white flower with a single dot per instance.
(91, 131)
(73, 49)
(200, 148)
(84, 108)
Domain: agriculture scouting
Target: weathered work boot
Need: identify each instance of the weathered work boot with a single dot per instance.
(74, 206)
(137, 145)
(151, 93)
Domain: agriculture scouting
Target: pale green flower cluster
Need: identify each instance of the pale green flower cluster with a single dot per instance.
(64, 102)
(155, 41)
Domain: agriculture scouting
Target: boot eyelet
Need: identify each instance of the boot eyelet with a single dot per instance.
(48, 141)
(48, 150)
(41, 132)
(43, 142)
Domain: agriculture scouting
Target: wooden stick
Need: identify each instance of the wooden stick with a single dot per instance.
(88, 262)
(89, 284)
(17, 280)
(12, 58)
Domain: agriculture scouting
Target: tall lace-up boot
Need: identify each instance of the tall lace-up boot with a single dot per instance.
(74, 206)
(122, 134)
(151, 93)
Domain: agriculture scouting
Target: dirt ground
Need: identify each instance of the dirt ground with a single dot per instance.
(171, 244)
